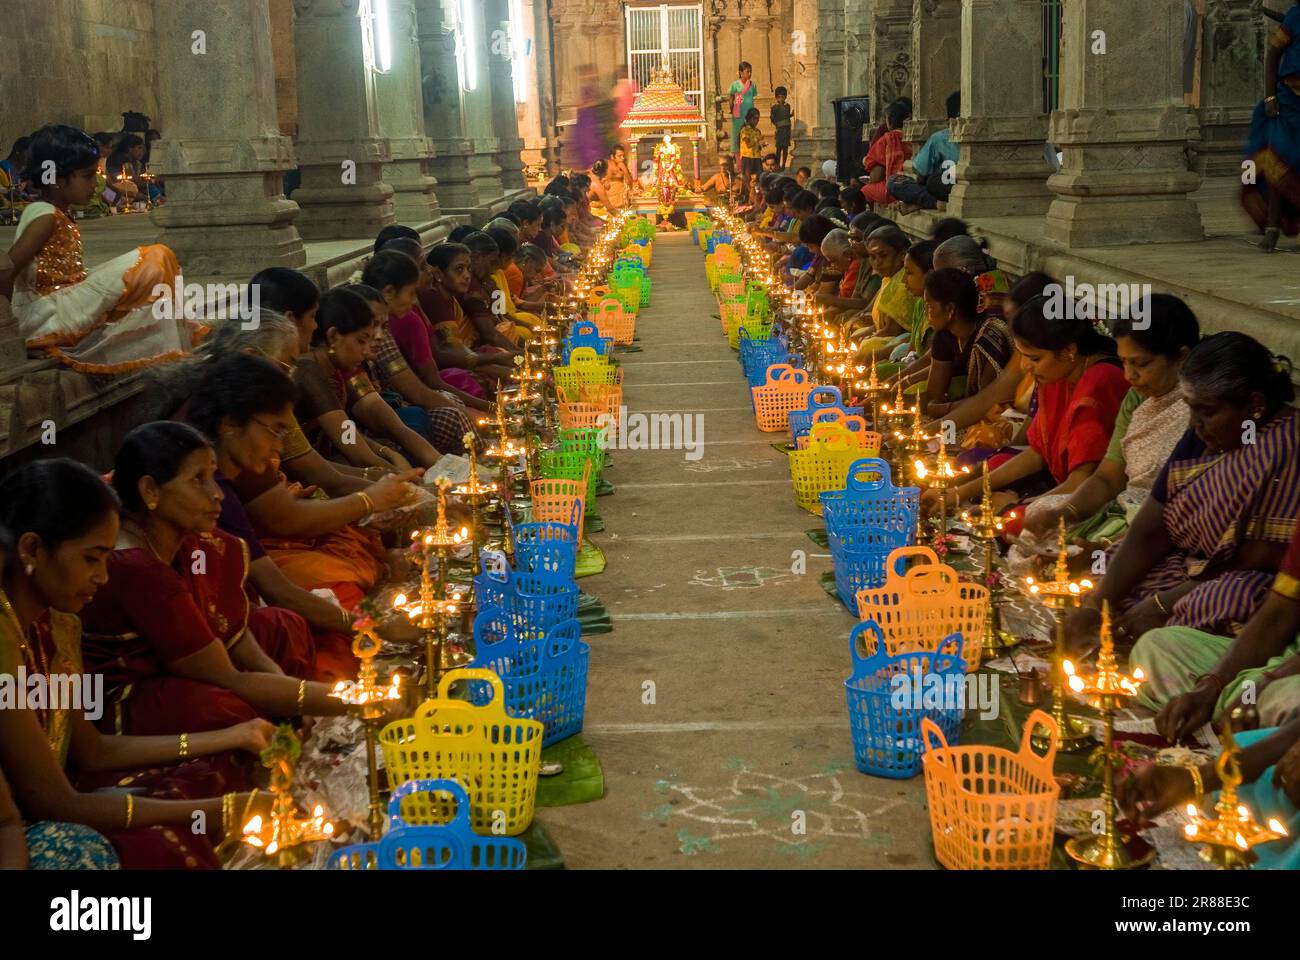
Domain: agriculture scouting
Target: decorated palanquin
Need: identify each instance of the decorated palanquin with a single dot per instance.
(662, 111)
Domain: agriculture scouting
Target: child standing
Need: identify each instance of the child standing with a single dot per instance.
(99, 321)
(783, 120)
(751, 148)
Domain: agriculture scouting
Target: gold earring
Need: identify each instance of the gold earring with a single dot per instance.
(153, 506)
(30, 568)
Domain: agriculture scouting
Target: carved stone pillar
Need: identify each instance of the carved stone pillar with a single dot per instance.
(501, 41)
(1003, 128)
(401, 122)
(1232, 82)
(223, 156)
(936, 65)
(891, 52)
(443, 105)
(340, 148)
(1123, 128)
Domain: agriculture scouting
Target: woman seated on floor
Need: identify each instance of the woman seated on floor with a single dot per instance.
(1203, 548)
(173, 631)
(968, 255)
(890, 318)
(63, 521)
(996, 419)
(969, 350)
(1151, 421)
(1270, 768)
(1194, 677)
(395, 274)
(336, 397)
(1080, 387)
(244, 404)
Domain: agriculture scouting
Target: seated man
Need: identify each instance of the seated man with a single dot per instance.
(933, 166)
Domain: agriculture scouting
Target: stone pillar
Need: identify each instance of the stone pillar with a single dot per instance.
(223, 156)
(815, 75)
(501, 37)
(537, 120)
(480, 126)
(891, 53)
(936, 65)
(13, 350)
(1232, 82)
(1002, 131)
(340, 148)
(400, 103)
(443, 105)
(1123, 128)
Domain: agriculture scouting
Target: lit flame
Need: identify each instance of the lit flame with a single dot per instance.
(1276, 826)
(399, 600)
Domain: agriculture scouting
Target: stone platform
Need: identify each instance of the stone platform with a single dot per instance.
(1225, 278)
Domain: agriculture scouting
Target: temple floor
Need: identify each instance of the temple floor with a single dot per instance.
(748, 738)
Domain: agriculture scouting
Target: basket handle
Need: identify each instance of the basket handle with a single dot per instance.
(470, 673)
(584, 328)
(828, 415)
(952, 646)
(457, 792)
(794, 375)
(495, 619)
(495, 565)
(856, 423)
(931, 736)
(903, 553)
(562, 638)
(777, 372)
(927, 580)
(1027, 755)
(869, 465)
(861, 663)
(837, 399)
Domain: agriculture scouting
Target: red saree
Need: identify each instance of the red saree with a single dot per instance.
(891, 152)
(150, 615)
(1074, 421)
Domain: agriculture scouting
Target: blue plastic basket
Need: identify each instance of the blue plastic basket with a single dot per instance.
(584, 333)
(536, 600)
(861, 559)
(885, 713)
(823, 398)
(547, 547)
(870, 499)
(545, 678)
(448, 846)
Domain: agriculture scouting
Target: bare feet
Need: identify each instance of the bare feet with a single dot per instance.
(1269, 243)
(906, 208)
(941, 205)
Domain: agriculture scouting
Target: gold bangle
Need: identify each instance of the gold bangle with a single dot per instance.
(185, 745)
(1159, 606)
(370, 504)
(302, 695)
(1197, 781)
(227, 815)
(130, 810)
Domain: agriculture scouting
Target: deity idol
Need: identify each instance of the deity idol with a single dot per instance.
(669, 179)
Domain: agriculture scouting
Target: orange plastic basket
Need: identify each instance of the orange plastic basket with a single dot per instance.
(613, 321)
(918, 609)
(576, 415)
(729, 291)
(596, 294)
(991, 809)
(787, 389)
(608, 397)
(867, 439)
(560, 501)
(733, 314)
(823, 464)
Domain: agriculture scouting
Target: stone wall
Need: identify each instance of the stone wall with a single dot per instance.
(82, 62)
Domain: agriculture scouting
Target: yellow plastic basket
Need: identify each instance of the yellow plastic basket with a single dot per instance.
(495, 757)
(990, 808)
(786, 389)
(585, 366)
(918, 609)
(855, 424)
(733, 314)
(823, 464)
(605, 397)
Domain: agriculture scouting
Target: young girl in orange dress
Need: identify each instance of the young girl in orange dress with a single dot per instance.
(101, 321)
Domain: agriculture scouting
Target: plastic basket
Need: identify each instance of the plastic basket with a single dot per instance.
(785, 389)
(496, 758)
(823, 465)
(870, 499)
(732, 290)
(608, 397)
(756, 329)
(732, 314)
(559, 501)
(536, 599)
(575, 415)
(916, 609)
(862, 559)
(571, 465)
(585, 333)
(887, 738)
(868, 440)
(545, 678)
(584, 366)
(990, 808)
(448, 846)
(824, 397)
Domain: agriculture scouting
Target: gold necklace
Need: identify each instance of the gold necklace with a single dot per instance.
(144, 535)
(38, 665)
